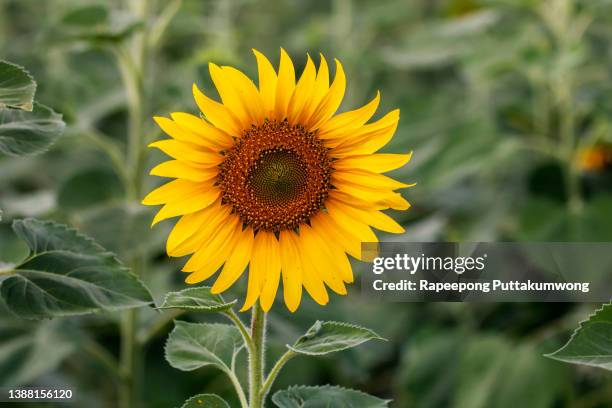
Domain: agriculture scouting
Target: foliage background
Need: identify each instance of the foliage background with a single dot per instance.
(498, 99)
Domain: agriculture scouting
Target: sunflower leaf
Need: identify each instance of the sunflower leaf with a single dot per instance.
(200, 299)
(67, 274)
(328, 337)
(205, 401)
(194, 345)
(26, 133)
(24, 349)
(17, 87)
(591, 343)
(86, 16)
(326, 396)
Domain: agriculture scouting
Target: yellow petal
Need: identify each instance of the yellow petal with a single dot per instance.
(321, 87)
(174, 190)
(273, 271)
(217, 114)
(206, 257)
(374, 218)
(339, 259)
(341, 125)
(262, 264)
(376, 197)
(378, 163)
(368, 139)
(247, 93)
(357, 228)
(267, 82)
(334, 233)
(323, 259)
(302, 92)
(188, 152)
(236, 263)
(184, 170)
(192, 203)
(184, 134)
(229, 95)
(313, 283)
(284, 86)
(208, 134)
(396, 202)
(216, 254)
(213, 218)
(291, 270)
(367, 179)
(357, 202)
(188, 225)
(331, 102)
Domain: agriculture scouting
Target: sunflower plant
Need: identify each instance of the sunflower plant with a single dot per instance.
(273, 181)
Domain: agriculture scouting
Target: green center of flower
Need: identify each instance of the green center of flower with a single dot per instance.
(276, 176)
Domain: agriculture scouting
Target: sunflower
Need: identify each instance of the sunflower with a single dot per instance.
(271, 178)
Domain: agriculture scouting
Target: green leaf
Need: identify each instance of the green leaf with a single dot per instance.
(591, 343)
(200, 299)
(88, 188)
(67, 274)
(24, 133)
(86, 16)
(328, 337)
(326, 396)
(28, 352)
(17, 87)
(97, 25)
(205, 401)
(12, 249)
(194, 345)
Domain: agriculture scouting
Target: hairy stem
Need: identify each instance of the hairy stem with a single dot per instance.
(131, 58)
(242, 328)
(274, 373)
(256, 360)
(236, 383)
(128, 394)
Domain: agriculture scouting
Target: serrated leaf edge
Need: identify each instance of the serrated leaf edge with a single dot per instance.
(48, 146)
(203, 396)
(375, 336)
(176, 325)
(327, 387)
(581, 324)
(221, 307)
(99, 248)
(30, 106)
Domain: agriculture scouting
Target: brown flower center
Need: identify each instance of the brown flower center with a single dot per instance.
(276, 176)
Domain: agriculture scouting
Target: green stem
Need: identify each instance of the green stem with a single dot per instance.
(131, 60)
(128, 394)
(113, 152)
(132, 80)
(236, 383)
(242, 328)
(256, 361)
(274, 373)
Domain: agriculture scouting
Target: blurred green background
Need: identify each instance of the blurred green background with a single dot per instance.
(507, 106)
